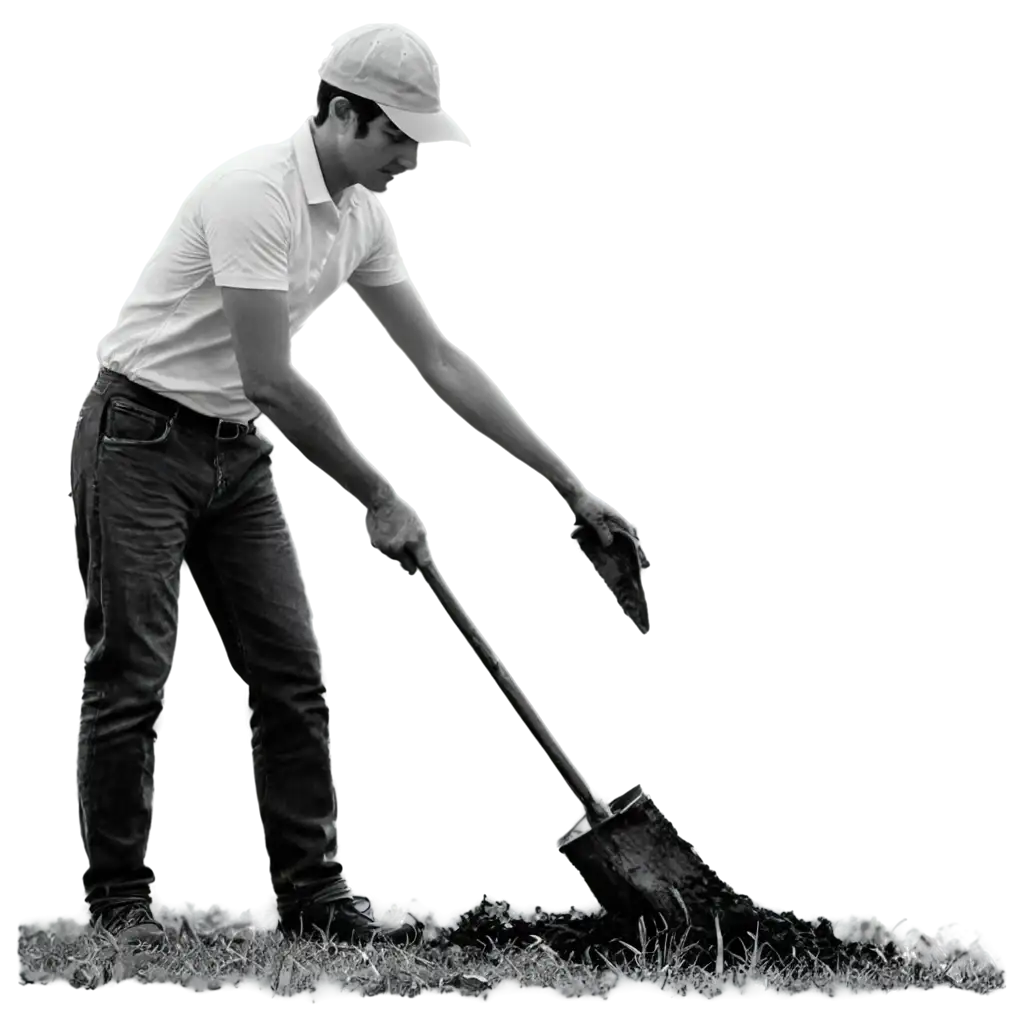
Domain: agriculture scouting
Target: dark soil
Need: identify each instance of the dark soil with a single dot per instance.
(783, 939)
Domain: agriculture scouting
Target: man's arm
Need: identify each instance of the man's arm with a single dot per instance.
(461, 383)
(262, 339)
(247, 225)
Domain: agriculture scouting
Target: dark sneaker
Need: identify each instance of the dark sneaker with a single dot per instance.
(130, 922)
(346, 919)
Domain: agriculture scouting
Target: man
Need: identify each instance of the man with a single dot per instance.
(168, 467)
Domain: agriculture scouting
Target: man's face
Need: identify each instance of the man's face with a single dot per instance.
(375, 159)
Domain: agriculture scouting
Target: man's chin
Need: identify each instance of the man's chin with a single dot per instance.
(378, 181)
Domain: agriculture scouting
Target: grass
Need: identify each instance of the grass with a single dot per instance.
(487, 947)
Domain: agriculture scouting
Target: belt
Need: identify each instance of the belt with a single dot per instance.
(222, 430)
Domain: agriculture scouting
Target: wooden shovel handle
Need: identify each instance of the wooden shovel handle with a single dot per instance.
(596, 811)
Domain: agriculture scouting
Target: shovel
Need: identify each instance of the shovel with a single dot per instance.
(628, 853)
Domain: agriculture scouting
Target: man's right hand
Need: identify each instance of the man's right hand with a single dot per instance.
(396, 530)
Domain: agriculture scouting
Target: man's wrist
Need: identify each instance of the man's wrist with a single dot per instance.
(381, 494)
(569, 488)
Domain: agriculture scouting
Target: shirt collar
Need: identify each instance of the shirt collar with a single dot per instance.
(309, 166)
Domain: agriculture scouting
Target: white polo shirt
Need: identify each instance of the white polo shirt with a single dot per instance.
(262, 220)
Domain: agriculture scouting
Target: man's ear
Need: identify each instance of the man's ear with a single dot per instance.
(342, 110)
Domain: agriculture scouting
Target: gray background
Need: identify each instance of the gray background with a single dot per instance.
(835, 386)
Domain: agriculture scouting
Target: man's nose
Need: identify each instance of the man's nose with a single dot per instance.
(410, 160)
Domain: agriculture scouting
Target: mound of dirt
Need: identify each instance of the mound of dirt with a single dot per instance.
(781, 937)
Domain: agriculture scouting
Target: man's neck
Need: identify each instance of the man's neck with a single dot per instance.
(335, 178)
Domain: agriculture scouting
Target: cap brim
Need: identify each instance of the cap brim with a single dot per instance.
(437, 127)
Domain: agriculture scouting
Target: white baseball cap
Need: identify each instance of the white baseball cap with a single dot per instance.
(395, 68)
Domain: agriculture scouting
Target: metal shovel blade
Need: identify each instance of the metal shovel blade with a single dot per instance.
(637, 866)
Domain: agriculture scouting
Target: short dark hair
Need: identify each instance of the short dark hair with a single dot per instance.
(366, 110)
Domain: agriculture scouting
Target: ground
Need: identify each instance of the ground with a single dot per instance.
(495, 952)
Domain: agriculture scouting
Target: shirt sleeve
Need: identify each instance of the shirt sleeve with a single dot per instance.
(383, 263)
(248, 232)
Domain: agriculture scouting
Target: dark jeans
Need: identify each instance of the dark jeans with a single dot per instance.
(154, 486)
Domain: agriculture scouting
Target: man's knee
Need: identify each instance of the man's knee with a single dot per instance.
(285, 658)
(124, 680)
(123, 696)
(295, 663)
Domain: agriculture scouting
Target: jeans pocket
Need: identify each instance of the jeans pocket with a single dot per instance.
(129, 423)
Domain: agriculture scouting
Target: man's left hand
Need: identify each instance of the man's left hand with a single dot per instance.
(598, 515)
(613, 547)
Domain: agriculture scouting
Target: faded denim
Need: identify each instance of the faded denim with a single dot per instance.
(151, 490)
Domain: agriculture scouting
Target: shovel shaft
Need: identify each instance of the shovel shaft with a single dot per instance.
(596, 812)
